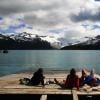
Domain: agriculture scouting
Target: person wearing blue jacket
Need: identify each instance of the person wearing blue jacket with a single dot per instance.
(91, 79)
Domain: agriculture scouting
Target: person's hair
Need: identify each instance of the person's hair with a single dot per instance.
(72, 71)
(40, 70)
(84, 72)
(92, 72)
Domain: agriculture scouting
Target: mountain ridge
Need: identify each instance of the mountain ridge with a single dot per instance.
(93, 43)
(21, 42)
(30, 41)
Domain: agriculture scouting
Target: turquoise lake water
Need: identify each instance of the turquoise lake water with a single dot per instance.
(25, 60)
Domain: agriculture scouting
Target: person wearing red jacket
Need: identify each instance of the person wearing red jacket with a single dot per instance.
(72, 81)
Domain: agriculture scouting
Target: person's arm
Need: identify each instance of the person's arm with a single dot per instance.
(42, 82)
(42, 79)
(67, 81)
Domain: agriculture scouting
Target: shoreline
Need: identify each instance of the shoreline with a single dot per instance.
(46, 71)
(30, 73)
(50, 73)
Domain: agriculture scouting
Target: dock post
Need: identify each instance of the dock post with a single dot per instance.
(74, 94)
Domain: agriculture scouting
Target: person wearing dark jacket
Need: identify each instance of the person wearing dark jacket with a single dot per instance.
(36, 79)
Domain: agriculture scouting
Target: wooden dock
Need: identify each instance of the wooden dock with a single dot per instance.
(10, 85)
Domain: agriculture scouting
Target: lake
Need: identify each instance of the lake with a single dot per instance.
(26, 60)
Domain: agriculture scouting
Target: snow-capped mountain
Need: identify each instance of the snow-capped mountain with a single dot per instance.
(33, 39)
(91, 43)
(30, 36)
(24, 37)
(91, 40)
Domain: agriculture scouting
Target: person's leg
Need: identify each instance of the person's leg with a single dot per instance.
(98, 81)
(58, 83)
(24, 81)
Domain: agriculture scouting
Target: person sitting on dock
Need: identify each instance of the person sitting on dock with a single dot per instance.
(83, 77)
(72, 81)
(90, 80)
(36, 79)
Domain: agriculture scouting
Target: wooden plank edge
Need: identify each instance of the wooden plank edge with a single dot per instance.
(74, 94)
(43, 97)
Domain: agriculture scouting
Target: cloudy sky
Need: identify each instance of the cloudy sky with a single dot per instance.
(68, 19)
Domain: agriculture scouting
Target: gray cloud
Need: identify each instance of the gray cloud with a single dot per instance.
(50, 19)
(8, 7)
(30, 10)
(51, 14)
(86, 15)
